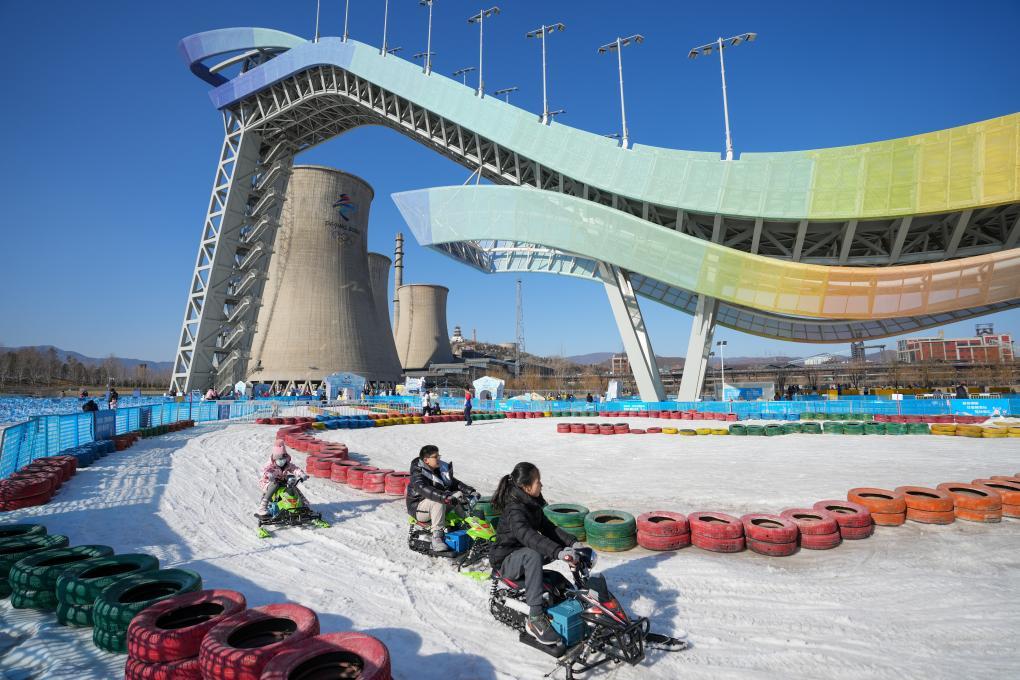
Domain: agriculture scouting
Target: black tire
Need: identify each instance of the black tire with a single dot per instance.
(566, 514)
(74, 615)
(609, 524)
(18, 550)
(82, 583)
(118, 604)
(110, 640)
(43, 600)
(39, 571)
(13, 532)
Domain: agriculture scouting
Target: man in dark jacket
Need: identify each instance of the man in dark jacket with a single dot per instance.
(431, 492)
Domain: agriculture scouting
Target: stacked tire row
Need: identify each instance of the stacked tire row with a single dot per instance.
(663, 530)
(35, 483)
(569, 517)
(610, 530)
(158, 430)
(975, 431)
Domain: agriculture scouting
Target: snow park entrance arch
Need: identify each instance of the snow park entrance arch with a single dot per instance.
(831, 245)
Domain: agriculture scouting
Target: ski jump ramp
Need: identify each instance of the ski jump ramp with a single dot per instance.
(830, 245)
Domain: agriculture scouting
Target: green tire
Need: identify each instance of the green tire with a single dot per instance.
(738, 430)
(43, 600)
(874, 428)
(5, 589)
(40, 570)
(609, 524)
(895, 428)
(578, 532)
(853, 428)
(918, 428)
(110, 640)
(811, 428)
(11, 553)
(755, 431)
(119, 602)
(792, 428)
(82, 583)
(619, 544)
(831, 427)
(15, 532)
(74, 615)
(773, 430)
(566, 514)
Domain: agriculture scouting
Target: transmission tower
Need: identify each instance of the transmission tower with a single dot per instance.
(520, 331)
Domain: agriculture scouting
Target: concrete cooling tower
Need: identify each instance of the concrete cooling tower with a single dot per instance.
(379, 275)
(319, 314)
(422, 335)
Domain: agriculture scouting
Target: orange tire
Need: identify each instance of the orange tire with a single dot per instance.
(979, 515)
(972, 497)
(929, 517)
(890, 519)
(1008, 478)
(1009, 492)
(1010, 510)
(928, 500)
(881, 501)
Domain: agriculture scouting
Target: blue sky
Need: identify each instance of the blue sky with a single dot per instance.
(111, 142)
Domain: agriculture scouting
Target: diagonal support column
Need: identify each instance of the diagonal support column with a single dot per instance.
(637, 344)
(698, 346)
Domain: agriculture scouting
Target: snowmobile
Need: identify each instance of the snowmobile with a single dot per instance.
(288, 508)
(606, 633)
(478, 535)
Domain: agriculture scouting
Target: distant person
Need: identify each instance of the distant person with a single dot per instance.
(434, 403)
(426, 406)
(63, 393)
(467, 407)
(84, 394)
(590, 399)
(961, 391)
(111, 401)
(90, 406)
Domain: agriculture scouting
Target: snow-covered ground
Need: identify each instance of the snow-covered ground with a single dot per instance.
(912, 601)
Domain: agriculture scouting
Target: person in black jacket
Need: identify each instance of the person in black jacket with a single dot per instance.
(526, 540)
(431, 492)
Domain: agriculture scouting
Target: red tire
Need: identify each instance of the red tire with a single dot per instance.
(339, 469)
(769, 529)
(812, 522)
(889, 519)
(24, 487)
(186, 669)
(847, 513)
(856, 533)
(638, 431)
(396, 483)
(28, 502)
(662, 523)
(820, 541)
(333, 655)
(654, 542)
(878, 500)
(356, 475)
(653, 430)
(772, 549)
(723, 545)
(240, 647)
(715, 525)
(931, 517)
(173, 629)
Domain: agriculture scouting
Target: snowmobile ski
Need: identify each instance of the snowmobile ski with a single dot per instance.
(666, 643)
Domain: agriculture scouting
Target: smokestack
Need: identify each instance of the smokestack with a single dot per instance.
(422, 336)
(318, 314)
(379, 274)
(398, 278)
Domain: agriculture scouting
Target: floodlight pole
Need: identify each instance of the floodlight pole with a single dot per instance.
(318, 6)
(541, 33)
(721, 344)
(347, 11)
(725, 102)
(385, 20)
(428, 39)
(480, 20)
(618, 45)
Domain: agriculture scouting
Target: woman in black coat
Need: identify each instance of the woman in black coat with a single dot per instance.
(526, 540)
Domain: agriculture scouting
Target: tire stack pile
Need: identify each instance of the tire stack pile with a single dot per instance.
(944, 429)
(663, 530)
(973, 503)
(717, 532)
(322, 456)
(887, 508)
(33, 579)
(332, 655)
(80, 585)
(23, 540)
(396, 483)
(356, 475)
(239, 647)
(818, 529)
(770, 535)
(569, 517)
(610, 530)
(928, 506)
(36, 483)
(119, 603)
(1008, 489)
(163, 641)
(854, 520)
(375, 481)
(340, 468)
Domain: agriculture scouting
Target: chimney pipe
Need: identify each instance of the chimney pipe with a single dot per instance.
(398, 277)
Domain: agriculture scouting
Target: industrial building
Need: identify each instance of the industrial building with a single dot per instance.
(980, 349)
(422, 334)
(324, 305)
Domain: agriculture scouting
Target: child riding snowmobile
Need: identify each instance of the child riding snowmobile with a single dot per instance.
(282, 503)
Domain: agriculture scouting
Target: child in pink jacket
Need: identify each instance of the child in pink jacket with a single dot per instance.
(274, 475)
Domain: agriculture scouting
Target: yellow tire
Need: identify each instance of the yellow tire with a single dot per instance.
(703, 430)
(720, 430)
(669, 430)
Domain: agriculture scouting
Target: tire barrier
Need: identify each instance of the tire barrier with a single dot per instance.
(19, 531)
(663, 530)
(610, 530)
(17, 548)
(241, 646)
(928, 506)
(356, 475)
(716, 532)
(569, 517)
(333, 655)
(970, 502)
(1009, 494)
(119, 603)
(854, 520)
(818, 529)
(172, 631)
(770, 535)
(396, 483)
(375, 481)
(352, 422)
(887, 508)
(33, 579)
(79, 585)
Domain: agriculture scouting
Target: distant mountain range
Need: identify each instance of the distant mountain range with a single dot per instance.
(64, 355)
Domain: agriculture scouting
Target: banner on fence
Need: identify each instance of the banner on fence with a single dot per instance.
(104, 425)
(224, 411)
(145, 416)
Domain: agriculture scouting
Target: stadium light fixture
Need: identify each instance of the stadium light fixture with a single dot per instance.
(394, 50)
(721, 344)
(719, 45)
(347, 12)
(480, 20)
(541, 32)
(618, 45)
(506, 91)
(428, 39)
(423, 55)
(463, 72)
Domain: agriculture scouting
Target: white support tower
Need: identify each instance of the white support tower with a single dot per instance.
(237, 239)
(520, 331)
(627, 313)
(698, 348)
